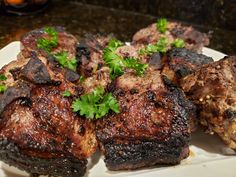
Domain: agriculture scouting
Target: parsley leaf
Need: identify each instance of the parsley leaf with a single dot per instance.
(160, 46)
(113, 60)
(96, 104)
(66, 93)
(81, 79)
(3, 88)
(178, 43)
(3, 77)
(63, 59)
(48, 44)
(133, 63)
(162, 25)
(117, 64)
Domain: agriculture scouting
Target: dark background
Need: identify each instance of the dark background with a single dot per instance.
(124, 17)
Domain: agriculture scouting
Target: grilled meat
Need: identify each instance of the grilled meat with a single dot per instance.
(194, 39)
(39, 133)
(180, 62)
(153, 126)
(213, 89)
(91, 64)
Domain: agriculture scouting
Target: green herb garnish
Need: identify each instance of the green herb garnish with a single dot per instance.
(133, 63)
(162, 25)
(66, 93)
(96, 104)
(3, 77)
(81, 79)
(117, 64)
(160, 46)
(178, 43)
(51, 42)
(63, 59)
(3, 88)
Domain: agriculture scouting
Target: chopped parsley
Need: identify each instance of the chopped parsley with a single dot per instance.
(3, 77)
(162, 25)
(3, 88)
(96, 104)
(160, 46)
(63, 59)
(117, 64)
(81, 79)
(66, 93)
(51, 42)
(178, 43)
(133, 63)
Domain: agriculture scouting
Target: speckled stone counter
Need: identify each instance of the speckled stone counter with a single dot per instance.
(80, 18)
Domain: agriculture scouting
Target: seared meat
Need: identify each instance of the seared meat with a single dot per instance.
(92, 66)
(213, 89)
(194, 39)
(39, 133)
(153, 126)
(179, 63)
(66, 42)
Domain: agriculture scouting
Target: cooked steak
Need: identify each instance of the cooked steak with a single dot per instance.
(153, 126)
(180, 62)
(194, 39)
(39, 133)
(91, 64)
(213, 89)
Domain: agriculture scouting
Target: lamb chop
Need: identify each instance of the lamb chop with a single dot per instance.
(39, 133)
(194, 40)
(213, 89)
(153, 124)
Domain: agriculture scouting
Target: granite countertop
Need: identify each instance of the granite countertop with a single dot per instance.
(80, 19)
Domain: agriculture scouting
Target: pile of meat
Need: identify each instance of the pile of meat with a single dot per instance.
(40, 134)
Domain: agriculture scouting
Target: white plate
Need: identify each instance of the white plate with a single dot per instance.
(207, 152)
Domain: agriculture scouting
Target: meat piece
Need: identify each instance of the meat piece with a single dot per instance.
(179, 63)
(39, 133)
(66, 42)
(152, 126)
(213, 89)
(194, 39)
(92, 66)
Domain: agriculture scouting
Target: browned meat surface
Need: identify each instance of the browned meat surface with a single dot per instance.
(92, 66)
(213, 89)
(181, 62)
(39, 133)
(153, 126)
(194, 39)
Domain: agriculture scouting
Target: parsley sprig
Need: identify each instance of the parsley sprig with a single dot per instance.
(162, 25)
(96, 104)
(178, 43)
(66, 93)
(63, 59)
(3, 87)
(117, 63)
(160, 46)
(48, 44)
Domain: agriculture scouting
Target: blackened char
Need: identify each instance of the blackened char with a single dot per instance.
(180, 62)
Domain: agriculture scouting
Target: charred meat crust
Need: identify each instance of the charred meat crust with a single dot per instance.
(133, 155)
(179, 63)
(21, 90)
(61, 166)
(36, 72)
